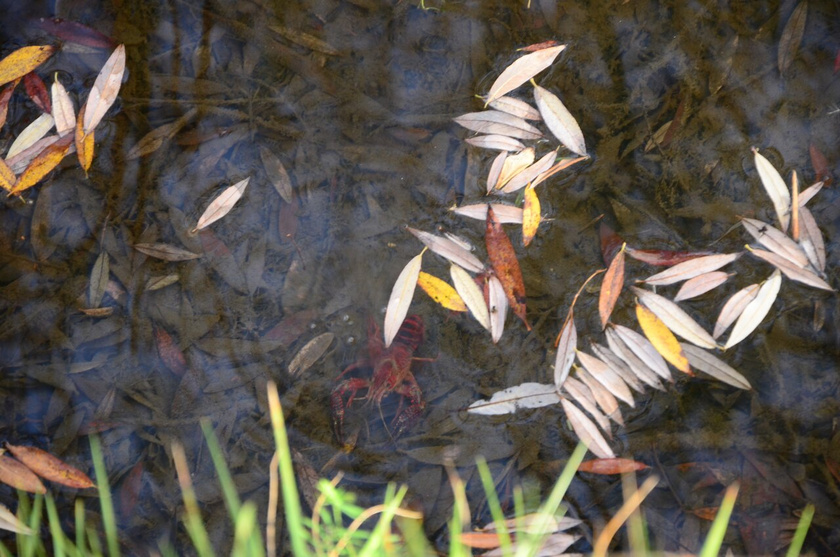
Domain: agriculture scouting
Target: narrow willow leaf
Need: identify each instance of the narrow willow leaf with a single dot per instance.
(691, 268)
(560, 121)
(794, 207)
(156, 283)
(791, 271)
(463, 242)
(792, 36)
(664, 258)
(583, 396)
(701, 284)
(84, 142)
(776, 241)
(587, 431)
(11, 523)
(31, 134)
(506, 266)
(775, 187)
(401, 296)
(166, 252)
(506, 214)
(15, 474)
(310, 353)
(105, 89)
(514, 164)
(50, 467)
(495, 172)
(24, 60)
(756, 310)
(495, 141)
(498, 123)
(808, 194)
(644, 350)
(662, 339)
(605, 399)
(528, 175)
(562, 164)
(222, 205)
(516, 107)
(471, 294)
(450, 250)
(675, 318)
(733, 308)
(606, 377)
(531, 215)
(521, 70)
(157, 137)
(811, 240)
(98, 279)
(277, 174)
(43, 164)
(19, 162)
(498, 307)
(441, 292)
(611, 287)
(62, 109)
(566, 348)
(714, 366)
(520, 397)
(7, 176)
(636, 364)
(618, 366)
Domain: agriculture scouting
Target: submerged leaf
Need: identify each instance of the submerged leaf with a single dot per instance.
(277, 174)
(310, 353)
(15, 474)
(521, 70)
(792, 36)
(11, 523)
(441, 292)
(560, 121)
(611, 466)
(605, 399)
(222, 205)
(506, 266)
(98, 279)
(50, 467)
(471, 294)
(662, 339)
(526, 395)
(166, 252)
(775, 187)
(611, 287)
(756, 310)
(400, 300)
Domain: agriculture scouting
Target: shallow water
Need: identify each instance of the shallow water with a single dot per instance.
(367, 137)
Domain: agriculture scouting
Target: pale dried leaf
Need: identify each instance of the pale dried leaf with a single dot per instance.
(733, 308)
(562, 164)
(516, 107)
(495, 172)
(497, 142)
(701, 284)
(644, 350)
(513, 165)
(560, 121)
(521, 70)
(222, 205)
(606, 376)
(583, 396)
(808, 194)
(11, 523)
(498, 307)
(62, 109)
(792, 271)
(471, 294)
(756, 310)
(31, 134)
(526, 395)
(566, 347)
(505, 214)
(499, 123)
(636, 364)
(714, 366)
(166, 252)
(450, 250)
(605, 399)
(19, 162)
(619, 366)
(401, 295)
(775, 187)
(691, 268)
(587, 431)
(105, 89)
(776, 241)
(522, 179)
(310, 353)
(811, 240)
(611, 287)
(675, 318)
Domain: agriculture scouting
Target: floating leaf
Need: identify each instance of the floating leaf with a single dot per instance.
(498, 123)
(506, 214)
(513, 165)
(277, 174)
(506, 266)
(471, 294)
(498, 304)
(105, 89)
(449, 249)
(791, 271)
(691, 268)
(516, 107)
(84, 142)
(566, 348)
(526, 395)
(562, 164)
(98, 279)
(495, 172)
(166, 252)
(701, 284)
(31, 134)
(775, 187)
(714, 366)
(401, 295)
(611, 466)
(498, 142)
(611, 287)
(587, 431)
(441, 292)
(530, 174)
(37, 91)
(5, 97)
(521, 70)
(530, 215)
(310, 353)
(43, 164)
(7, 176)
(560, 121)
(808, 193)
(11, 523)
(776, 241)
(733, 308)
(664, 258)
(606, 377)
(222, 205)
(643, 371)
(62, 109)
(18, 476)
(756, 310)
(792, 36)
(644, 350)
(605, 399)
(49, 467)
(662, 339)
(583, 396)
(619, 366)
(675, 318)
(811, 240)
(22, 61)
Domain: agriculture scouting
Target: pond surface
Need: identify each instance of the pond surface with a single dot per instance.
(365, 129)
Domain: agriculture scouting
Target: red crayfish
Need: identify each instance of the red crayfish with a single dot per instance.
(390, 373)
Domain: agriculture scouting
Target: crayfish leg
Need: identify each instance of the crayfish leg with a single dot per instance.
(338, 406)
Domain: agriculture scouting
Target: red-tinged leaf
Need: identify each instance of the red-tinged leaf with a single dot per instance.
(43, 164)
(706, 513)
(539, 46)
(610, 243)
(22, 61)
(73, 32)
(170, 354)
(50, 467)
(37, 91)
(611, 466)
(820, 164)
(611, 287)
(5, 97)
(130, 490)
(15, 474)
(664, 258)
(504, 262)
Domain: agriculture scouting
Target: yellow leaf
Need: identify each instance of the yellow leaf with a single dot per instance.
(41, 165)
(7, 177)
(84, 142)
(662, 339)
(22, 61)
(530, 215)
(441, 292)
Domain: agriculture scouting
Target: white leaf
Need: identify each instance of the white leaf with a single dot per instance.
(775, 187)
(501, 123)
(675, 318)
(811, 239)
(583, 396)
(62, 109)
(10, 522)
(105, 89)
(526, 395)
(606, 377)
(756, 310)
(222, 205)
(495, 172)
(714, 366)
(505, 214)
(471, 294)
(19, 162)
(691, 268)
(619, 366)
(733, 308)
(400, 300)
(566, 347)
(776, 241)
(791, 271)
(449, 249)
(808, 193)
(495, 141)
(587, 431)
(31, 134)
(560, 121)
(644, 350)
(605, 399)
(530, 174)
(521, 70)
(516, 107)
(701, 284)
(636, 365)
(310, 353)
(513, 166)
(498, 307)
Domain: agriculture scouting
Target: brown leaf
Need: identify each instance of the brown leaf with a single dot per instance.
(22, 61)
(5, 97)
(43, 164)
(277, 174)
(664, 258)
(611, 287)
(820, 164)
(611, 466)
(170, 354)
(130, 490)
(73, 32)
(611, 243)
(156, 138)
(166, 252)
(792, 36)
(18, 476)
(50, 467)
(37, 91)
(504, 262)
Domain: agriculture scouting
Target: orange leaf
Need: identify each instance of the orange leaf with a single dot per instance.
(17, 475)
(662, 339)
(171, 355)
(530, 215)
(611, 287)
(820, 164)
(22, 61)
(5, 97)
(49, 467)
(504, 262)
(441, 292)
(43, 164)
(7, 177)
(610, 466)
(480, 540)
(706, 513)
(84, 143)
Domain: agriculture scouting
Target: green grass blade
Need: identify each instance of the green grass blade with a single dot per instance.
(801, 531)
(56, 533)
(246, 531)
(31, 544)
(192, 519)
(714, 540)
(383, 528)
(225, 479)
(493, 503)
(79, 515)
(109, 521)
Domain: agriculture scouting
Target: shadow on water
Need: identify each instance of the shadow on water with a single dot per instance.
(367, 136)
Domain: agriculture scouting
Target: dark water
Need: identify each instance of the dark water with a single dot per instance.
(367, 137)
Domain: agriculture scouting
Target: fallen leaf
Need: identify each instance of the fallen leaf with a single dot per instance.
(733, 308)
(304, 39)
(158, 282)
(820, 164)
(62, 109)
(756, 310)
(808, 193)
(498, 304)
(776, 241)
(587, 431)
(506, 214)
(792, 36)
(531, 215)
(169, 352)
(662, 339)
(794, 207)
(664, 258)
(15, 474)
(310, 353)
(166, 252)
(523, 178)
(602, 373)
(791, 271)
(701, 284)
(538, 46)
(105, 89)
(495, 141)
(560, 121)
(7, 176)
(494, 122)
(401, 295)
(691, 268)
(50, 467)
(643, 371)
(37, 92)
(449, 249)
(605, 399)
(775, 187)
(156, 138)
(277, 174)
(441, 292)
(74, 32)
(619, 366)
(11, 523)
(521, 70)
(611, 466)
(5, 97)
(496, 171)
(610, 243)
(84, 142)
(611, 287)
(508, 401)
(31, 134)
(714, 366)
(675, 318)
(98, 279)
(130, 490)
(644, 350)
(506, 266)
(583, 396)
(513, 165)
(562, 164)
(811, 240)
(471, 294)
(516, 107)
(22, 61)
(43, 164)
(566, 349)
(222, 205)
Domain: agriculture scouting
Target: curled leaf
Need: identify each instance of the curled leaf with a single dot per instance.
(400, 300)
